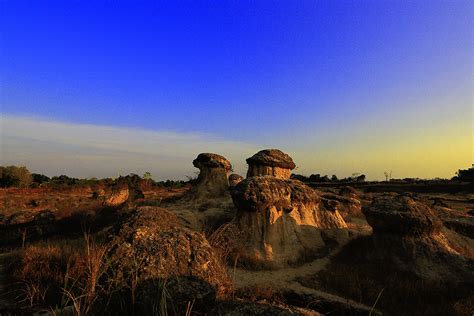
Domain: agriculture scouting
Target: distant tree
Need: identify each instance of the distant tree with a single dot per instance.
(147, 176)
(315, 177)
(64, 180)
(40, 178)
(13, 176)
(466, 175)
(388, 175)
(300, 177)
(325, 178)
(334, 178)
(360, 178)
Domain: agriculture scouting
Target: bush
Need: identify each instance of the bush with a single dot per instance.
(40, 178)
(13, 176)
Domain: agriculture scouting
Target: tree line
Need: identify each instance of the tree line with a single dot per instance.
(21, 177)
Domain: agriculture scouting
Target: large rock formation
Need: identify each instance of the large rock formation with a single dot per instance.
(271, 162)
(212, 180)
(283, 221)
(208, 204)
(410, 255)
(149, 244)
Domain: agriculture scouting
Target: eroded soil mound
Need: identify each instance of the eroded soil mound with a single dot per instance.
(408, 262)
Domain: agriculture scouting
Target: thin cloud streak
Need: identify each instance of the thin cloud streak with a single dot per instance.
(88, 150)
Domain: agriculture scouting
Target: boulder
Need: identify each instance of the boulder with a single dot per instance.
(150, 244)
(401, 215)
(283, 221)
(271, 162)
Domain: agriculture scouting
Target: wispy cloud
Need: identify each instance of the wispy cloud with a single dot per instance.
(84, 150)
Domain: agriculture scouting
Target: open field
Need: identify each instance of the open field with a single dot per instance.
(86, 249)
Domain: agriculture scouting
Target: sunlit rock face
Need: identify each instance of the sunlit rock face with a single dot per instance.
(213, 171)
(235, 179)
(271, 162)
(118, 197)
(283, 221)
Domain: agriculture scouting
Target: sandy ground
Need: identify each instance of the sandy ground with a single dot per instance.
(285, 279)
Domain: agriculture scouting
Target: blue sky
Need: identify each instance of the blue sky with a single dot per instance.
(334, 83)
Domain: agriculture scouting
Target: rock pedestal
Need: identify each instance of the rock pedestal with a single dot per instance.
(212, 180)
(271, 162)
(282, 220)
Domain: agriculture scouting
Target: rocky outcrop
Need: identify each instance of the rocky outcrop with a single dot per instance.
(208, 204)
(401, 215)
(118, 197)
(283, 221)
(235, 179)
(150, 244)
(212, 180)
(410, 255)
(272, 162)
(348, 206)
(348, 191)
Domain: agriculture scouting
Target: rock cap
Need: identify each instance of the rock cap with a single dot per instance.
(272, 158)
(212, 161)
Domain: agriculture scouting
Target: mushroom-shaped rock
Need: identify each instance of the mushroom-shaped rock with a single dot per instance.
(212, 180)
(283, 221)
(401, 215)
(150, 244)
(272, 162)
(235, 179)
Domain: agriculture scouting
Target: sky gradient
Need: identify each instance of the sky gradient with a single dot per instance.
(101, 88)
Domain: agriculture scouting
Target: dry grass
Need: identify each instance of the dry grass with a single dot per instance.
(227, 242)
(60, 274)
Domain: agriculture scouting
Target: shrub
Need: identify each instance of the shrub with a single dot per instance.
(13, 176)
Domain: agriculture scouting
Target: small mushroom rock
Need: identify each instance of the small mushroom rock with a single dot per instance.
(212, 180)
